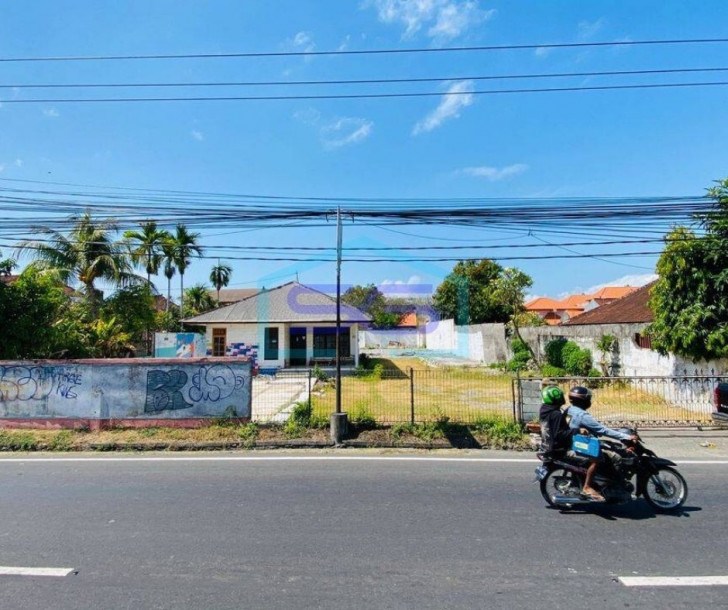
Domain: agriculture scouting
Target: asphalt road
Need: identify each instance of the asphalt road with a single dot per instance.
(332, 533)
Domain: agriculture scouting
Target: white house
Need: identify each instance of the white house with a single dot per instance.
(291, 325)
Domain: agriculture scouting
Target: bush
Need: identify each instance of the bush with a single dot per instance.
(554, 352)
(577, 361)
(377, 371)
(552, 371)
(248, 434)
(301, 414)
(521, 356)
(499, 429)
(319, 374)
(365, 361)
(361, 416)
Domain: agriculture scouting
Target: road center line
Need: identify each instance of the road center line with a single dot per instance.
(13, 571)
(673, 581)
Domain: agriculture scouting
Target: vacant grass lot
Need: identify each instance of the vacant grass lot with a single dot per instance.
(468, 394)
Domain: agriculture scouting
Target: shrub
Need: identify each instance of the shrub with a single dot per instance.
(248, 434)
(521, 356)
(554, 352)
(365, 361)
(499, 429)
(377, 371)
(62, 441)
(577, 361)
(552, 371)
(319, 374)
(301, 414)
(361, 416)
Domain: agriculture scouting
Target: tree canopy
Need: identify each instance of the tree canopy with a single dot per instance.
(690, 298)
(478, 292)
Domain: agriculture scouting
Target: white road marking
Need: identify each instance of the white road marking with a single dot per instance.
(288, 458)
(673, 581)
(13, 571)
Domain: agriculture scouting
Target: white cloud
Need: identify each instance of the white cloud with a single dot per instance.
(412, 280)
(197, 135)
(303, 41)
(336, 132)
(543, 52)
(447, 19)
(345, 43)
(18, 163)
(494, 173)
(588, 29)
(51, 113)
(626, 280)
(345, 131)
(456, 98)
(2, 168)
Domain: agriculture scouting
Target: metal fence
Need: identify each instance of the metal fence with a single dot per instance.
(650, 401)
(466, 395)
(389, 396)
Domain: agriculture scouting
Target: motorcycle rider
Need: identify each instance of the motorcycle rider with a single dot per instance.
(580, 399)
(555, 435)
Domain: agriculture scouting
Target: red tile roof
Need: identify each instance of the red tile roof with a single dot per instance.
(630, 309)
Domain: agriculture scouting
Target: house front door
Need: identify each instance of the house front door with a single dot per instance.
(298, 346)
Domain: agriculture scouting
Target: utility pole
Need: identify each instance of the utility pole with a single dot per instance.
(338, 419)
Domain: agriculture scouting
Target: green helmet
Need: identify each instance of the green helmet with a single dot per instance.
(553, 395)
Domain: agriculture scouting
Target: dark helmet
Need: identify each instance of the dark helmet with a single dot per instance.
(579, 396)
(553, 396)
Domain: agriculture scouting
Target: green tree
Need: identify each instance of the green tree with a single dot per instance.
(109, 339)
(184, 246)
(509, 289)
(368, 299)
(197, 300)
(690, 298)
(145, 247)
(467, 294)
(220, 276)
(89, 253)
(40, 320)
(133, 310)
(6, 266)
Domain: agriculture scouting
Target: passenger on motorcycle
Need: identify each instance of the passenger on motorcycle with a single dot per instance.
(580, 399)
(555, 434)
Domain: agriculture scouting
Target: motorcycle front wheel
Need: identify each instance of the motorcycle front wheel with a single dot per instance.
(560, 482)
(666, 489)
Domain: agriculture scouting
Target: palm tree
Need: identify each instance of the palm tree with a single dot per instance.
(145, 247)
(89, 253)
(169, 268)
(198, 300)
(184, 245)
(220, 276)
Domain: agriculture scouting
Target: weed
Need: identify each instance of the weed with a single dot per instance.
(319, 373)
(62, 441)
(499, 429)
(293, 429)
(301, 414)
(248, 434)
(148, 432)
(361, 416)
(399, 430)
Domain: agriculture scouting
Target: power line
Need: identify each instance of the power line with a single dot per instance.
(258, 54)
(364, 81)
(340, 96)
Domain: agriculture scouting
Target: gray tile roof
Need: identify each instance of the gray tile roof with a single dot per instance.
(292, 302)
(233, 295)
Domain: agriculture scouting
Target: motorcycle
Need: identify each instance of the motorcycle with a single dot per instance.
(561, 479)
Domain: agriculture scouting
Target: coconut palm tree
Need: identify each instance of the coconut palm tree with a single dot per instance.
(220, 276)
(87, 254)
(145, 247)
(184, 246)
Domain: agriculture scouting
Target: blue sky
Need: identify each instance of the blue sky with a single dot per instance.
(611, 143)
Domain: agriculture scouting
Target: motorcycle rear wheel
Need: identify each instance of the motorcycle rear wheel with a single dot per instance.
(666, 490)
(560, 482)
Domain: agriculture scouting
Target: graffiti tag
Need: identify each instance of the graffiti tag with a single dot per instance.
(25, 383)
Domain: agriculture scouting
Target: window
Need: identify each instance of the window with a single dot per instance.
(643, 341)
(271, 344)
(324, 343)
(219, 341)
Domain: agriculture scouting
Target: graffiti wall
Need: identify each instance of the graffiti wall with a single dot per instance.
(126, 389)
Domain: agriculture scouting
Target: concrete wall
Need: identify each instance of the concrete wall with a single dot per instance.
(632, 359)
(146, 390)
(394, 337)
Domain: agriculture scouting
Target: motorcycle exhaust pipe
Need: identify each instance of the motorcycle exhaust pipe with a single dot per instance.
(564, 500)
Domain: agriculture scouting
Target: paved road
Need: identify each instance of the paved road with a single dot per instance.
(333, 533)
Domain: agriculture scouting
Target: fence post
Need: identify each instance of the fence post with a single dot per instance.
(513, 395)
(310, 400)
(412, 395)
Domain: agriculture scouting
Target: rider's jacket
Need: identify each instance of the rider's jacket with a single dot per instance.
(581, 419)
